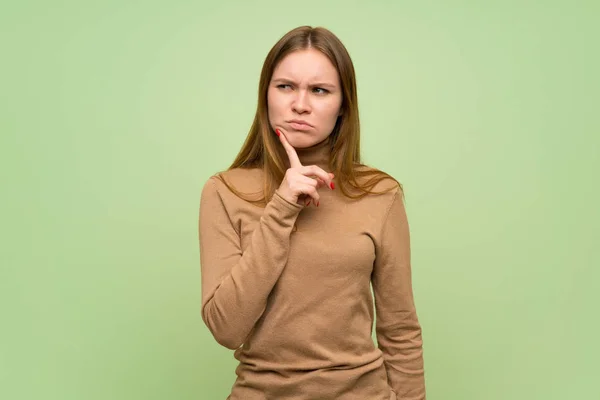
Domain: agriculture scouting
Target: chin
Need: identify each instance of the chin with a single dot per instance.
(302, 142)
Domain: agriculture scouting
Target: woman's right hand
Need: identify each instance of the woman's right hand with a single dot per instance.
(301, 183)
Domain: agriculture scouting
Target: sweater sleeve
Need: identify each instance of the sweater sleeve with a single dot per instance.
(397, 327)
(236, 283)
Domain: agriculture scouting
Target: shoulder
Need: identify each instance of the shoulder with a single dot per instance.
(248, 180)
(227, 186)
(240, 175)
(377, 180)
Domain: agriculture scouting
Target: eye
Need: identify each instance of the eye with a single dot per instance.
(283, 86)
(320, 90)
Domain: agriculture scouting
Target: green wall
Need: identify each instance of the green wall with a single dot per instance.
(113, 114)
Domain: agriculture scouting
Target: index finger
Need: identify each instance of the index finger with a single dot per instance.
(289, 149)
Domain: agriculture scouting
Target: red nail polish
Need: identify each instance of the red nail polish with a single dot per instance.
(277, 132)
(317, 204)
(332, 186)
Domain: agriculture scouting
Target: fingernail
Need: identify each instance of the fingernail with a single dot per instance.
(332, 186)
(277, 132)
(317, 204)
(307, 203)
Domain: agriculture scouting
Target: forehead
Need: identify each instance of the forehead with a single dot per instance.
(307, 64)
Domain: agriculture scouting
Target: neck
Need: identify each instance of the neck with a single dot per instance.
(317, 154)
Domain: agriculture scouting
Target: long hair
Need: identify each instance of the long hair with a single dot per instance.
(262, 149)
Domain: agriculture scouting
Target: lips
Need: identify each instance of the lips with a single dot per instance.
(300, 126)
(299, 122)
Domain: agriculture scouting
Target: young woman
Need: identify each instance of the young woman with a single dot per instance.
(295, 232)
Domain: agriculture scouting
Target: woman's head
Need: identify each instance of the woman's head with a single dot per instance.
(304, 58)
(308, 76)
(288, 90)
(304, 97)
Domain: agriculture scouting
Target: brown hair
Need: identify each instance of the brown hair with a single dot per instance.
(262, 148)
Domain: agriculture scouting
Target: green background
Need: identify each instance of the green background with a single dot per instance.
(113, 115)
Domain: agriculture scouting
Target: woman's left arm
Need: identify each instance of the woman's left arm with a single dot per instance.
(397, 326)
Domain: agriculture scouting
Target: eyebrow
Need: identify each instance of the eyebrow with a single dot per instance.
(317, 84)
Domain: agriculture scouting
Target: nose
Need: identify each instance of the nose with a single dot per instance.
(301, 103)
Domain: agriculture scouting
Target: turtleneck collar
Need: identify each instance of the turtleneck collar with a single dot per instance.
(317, 154)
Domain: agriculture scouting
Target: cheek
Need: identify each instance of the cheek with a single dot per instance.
(273, 104)
(330, 111)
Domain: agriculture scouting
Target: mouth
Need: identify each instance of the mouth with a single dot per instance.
(299, 125)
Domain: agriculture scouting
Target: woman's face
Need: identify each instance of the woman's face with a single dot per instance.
(304, 97)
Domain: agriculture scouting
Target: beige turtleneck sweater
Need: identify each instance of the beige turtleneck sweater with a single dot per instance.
(288, 288)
